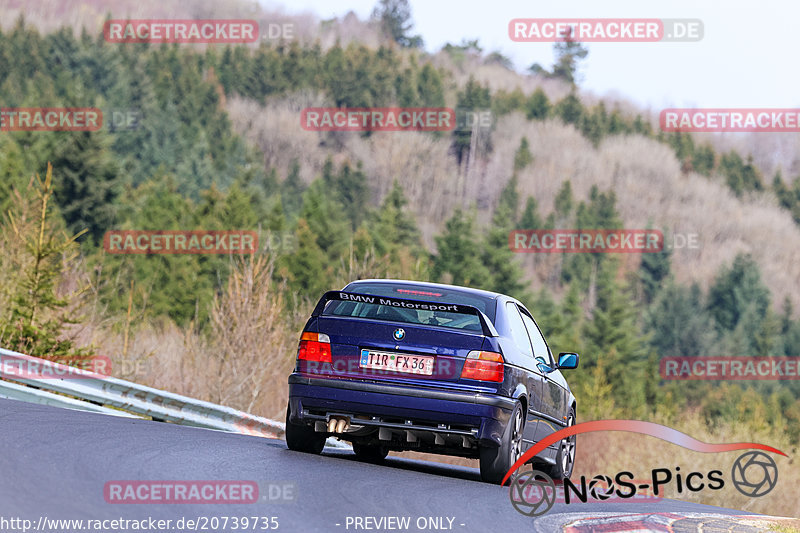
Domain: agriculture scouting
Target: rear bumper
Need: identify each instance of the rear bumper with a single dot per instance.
(475, 416)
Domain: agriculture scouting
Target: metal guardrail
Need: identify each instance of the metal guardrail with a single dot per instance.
(14, 391)
(93, 392)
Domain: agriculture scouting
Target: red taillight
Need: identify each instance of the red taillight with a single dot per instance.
(483, 366)
(314, 347)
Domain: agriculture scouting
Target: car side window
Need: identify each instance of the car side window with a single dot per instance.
(540, 349)
(518, 332)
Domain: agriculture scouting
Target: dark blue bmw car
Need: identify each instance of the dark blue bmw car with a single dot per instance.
(401, 365)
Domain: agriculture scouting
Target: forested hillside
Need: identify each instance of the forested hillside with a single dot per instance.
(218, 146)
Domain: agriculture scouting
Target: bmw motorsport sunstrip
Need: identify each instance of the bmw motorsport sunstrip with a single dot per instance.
(402, 365)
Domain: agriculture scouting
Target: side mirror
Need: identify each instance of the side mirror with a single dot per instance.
(567, 360)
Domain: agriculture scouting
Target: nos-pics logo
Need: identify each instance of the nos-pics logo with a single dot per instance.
(533, 493)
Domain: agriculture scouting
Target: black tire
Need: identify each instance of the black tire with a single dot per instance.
(370, 453)
(565, 458)
(496, 461)
(302, 438)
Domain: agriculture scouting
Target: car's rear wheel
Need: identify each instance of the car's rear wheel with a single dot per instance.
(495, 462)
(302, 438)
(371, 453)
(565, 458)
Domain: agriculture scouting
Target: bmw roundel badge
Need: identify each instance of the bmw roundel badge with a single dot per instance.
(399, 334)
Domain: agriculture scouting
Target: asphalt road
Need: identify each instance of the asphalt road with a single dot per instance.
(55, 464)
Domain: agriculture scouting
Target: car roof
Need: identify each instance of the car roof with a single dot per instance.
(468, 290)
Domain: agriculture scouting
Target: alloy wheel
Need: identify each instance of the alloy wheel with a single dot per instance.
(568, 449)
(516, 437)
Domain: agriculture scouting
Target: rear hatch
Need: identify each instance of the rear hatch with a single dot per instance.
(386, 339)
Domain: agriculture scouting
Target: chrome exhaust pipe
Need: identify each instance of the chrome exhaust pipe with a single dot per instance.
(338, 424)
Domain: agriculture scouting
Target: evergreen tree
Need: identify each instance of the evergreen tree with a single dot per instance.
(594, 125)
(163, 278)
(275, 219)
(612, 335)
(617, 124)
(458, 260)
(538, 106)
(523, 156)
(37, 314)
(562, 323)
(308, 270)
(508, 204)
(473, 98)
(347, 77)
(392, 226)
(683, 144)
(12, 173)
(395, 20)
(406, 88)
(781, 191)
(678, 323)
(326, 219)
(530, 218)
(292, 190)
(704, 159)
(642, 127)
(599, 213)
(349, 188)
(504, 102)
(88, 182)
(734, 290)
(430, 87)
(790, 331)
(568, 53)
(564, 201)
(653, 271)
(767, 340)
(239, 209)
(569, 109)
(740, 176)
(788, 198)
(597, 387)
(497, 257)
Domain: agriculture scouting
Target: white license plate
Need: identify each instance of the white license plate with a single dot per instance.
(397, 362)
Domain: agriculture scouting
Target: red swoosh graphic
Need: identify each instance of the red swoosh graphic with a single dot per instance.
(636, 426)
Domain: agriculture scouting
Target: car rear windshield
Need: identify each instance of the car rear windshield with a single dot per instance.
(445, 319)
